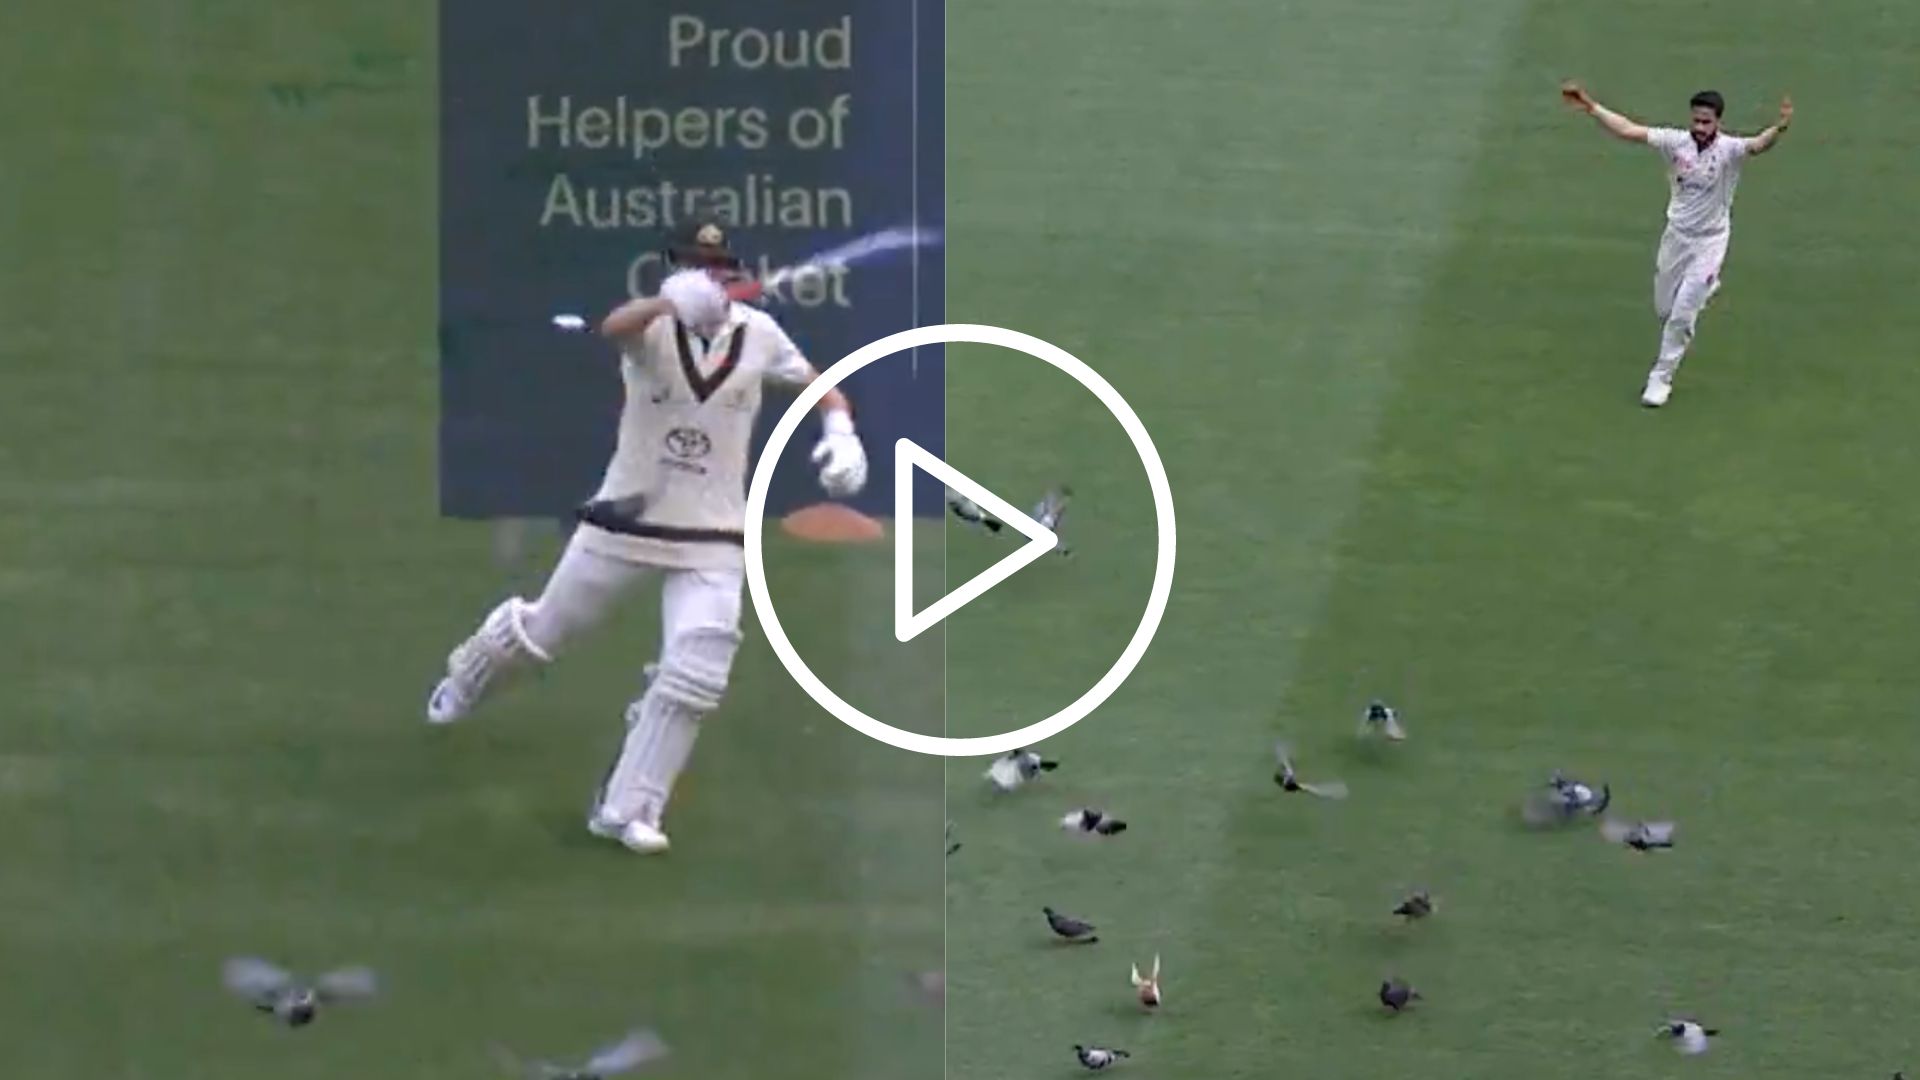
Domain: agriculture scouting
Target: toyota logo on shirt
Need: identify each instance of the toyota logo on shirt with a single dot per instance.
(688, 444)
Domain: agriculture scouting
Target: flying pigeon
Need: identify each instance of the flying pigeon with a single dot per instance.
(1639, 835)
(1417, 905)
(295, 1003)
(1397, 995)
(1289, 781)
(970, 512)
(1148, 988)
(614, 515)
(635, 1049)
(1070, 928)
(1382, 719)
(1564, 799)
(1012, 771)
(1687, 1035)
(1090, 822)
(1098, 1057)
(1052, 509)
(931, 985)
(952, 844)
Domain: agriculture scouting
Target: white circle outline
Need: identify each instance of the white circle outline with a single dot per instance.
(1130, 657)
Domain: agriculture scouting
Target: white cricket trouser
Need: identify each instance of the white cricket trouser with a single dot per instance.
(585, 585)
(1686, 275)
(699, 633)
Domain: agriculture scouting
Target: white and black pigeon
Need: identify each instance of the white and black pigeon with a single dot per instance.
(1087, 821)
(1639, 835)
(971, 512)
(1382, 719)
(634, 1049)
(1013, 770)
(1098, 1057)
(1290, 782)
(1052, 510)
(1689, 1036)
(1565, 798)
(272, 989)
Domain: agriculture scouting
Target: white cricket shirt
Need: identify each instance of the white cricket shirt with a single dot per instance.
(686, 438)
(1701, 181)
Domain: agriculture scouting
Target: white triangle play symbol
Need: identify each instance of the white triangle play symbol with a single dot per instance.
(1040, 540)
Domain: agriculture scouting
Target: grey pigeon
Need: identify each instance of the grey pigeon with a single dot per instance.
(1639, 835)
(1013, 770)
(1417, 905)
(272, 989)
(1289, 780)
(1382, 719)
(970, 512)
(1070, 928)
(1397, 995)
(1052, 510)
(1565, 798)
(1688, 1036)
(1098, 1057)
(636, 1048)
(1090, 822)
(614, 515)
(952, 844)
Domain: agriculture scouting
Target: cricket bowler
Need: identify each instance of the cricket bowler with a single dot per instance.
(1703, 168)
(672, 506)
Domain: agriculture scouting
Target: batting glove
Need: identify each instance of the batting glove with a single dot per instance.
(842, 460)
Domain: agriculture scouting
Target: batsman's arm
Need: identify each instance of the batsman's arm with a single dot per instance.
(836, 402)
(791, 369)
(1616, 125)
(634, 316)
(842, 460)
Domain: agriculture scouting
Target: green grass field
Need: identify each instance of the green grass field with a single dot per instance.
(225, 588)
(1383, 305)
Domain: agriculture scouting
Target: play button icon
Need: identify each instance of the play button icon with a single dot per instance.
(907, 456)
(908, 625)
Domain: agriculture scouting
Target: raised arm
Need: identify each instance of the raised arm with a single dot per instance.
(690, 295)
(634, 316)
(1618, 126)
(1763, 142)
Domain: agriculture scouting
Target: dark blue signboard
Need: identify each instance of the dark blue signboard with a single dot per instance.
(576, 137)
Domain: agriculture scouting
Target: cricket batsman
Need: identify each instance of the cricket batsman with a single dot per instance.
(1703, 168)
(672, 507)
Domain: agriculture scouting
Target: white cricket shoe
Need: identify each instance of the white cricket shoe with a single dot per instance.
(644, 839)
(637, 836)
(1657, 392)
(447, 704)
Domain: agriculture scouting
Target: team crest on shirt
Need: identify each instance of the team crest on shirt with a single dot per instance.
(685, 446)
